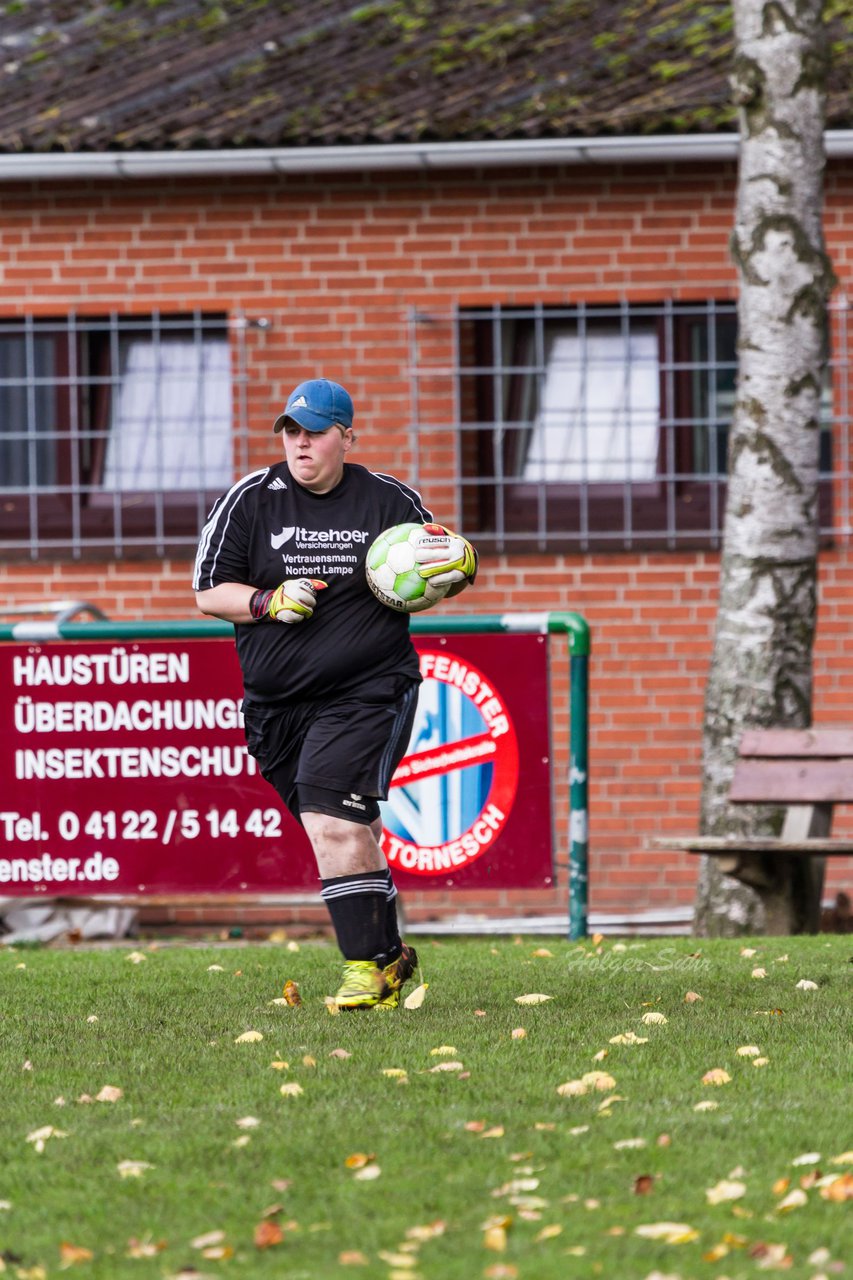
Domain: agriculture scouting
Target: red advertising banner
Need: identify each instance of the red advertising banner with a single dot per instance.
(124, 770)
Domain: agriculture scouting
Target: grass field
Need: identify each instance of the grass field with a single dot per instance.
(467, 1161)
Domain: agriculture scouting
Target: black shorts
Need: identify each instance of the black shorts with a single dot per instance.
(349, 744)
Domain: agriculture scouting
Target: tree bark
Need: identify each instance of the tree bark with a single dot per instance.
(761, 664)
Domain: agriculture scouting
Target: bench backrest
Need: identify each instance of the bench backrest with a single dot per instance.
(794, 766)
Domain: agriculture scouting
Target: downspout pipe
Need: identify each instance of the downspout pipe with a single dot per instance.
(390, 157)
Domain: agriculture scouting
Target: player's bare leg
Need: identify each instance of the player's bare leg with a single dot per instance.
(342, 848)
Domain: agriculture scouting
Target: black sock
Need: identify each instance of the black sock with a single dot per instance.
(393, 941)
(358, 906)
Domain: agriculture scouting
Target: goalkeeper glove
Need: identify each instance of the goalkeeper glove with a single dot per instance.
(293, 601)
(447, 559)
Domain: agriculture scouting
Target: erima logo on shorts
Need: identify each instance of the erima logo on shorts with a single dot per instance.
(317, 536)
(355, 802)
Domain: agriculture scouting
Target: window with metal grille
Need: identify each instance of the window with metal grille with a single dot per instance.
(116, 432)
(597, 427)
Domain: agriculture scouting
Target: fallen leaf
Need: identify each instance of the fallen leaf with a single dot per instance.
(416, 998)
(795, 1199)
(706, 1105)
(629, 1037)
(247, 1122)
(429, 1231)
(518, 1033)
(368, 1174)
(447, 1066)
(71, 1254)
(748, 952)
(548, 1233)
(629, 1144)
(447, 1050)
(218, 1252)
(398, 1073)
(748, 1051)
(643, 1184)
(759, 973)
(39, 1137)
(808, 1157)
(669, 1232)
(358, 1160)
(501, 1271)
(601, 1055)
(516, 1186)
(109, 1093)
(249, 1037)
(542, 952)
(494, 1238)
(207, 1240)
(725, 1190)
(291, 1089)
(654, 1019)
(279, 1065)
(805, 985)
(837, 1189)
(144, 1248)
(692, 997)
(496, 1131)
(572, 1089)
(340, 1053)
(716, 1076)
(846, 1157)
(308, 1060)
(771, 1257)
(291, 993)
(403, 1261)
(133, 1168)
(535, 997)
(332, 1006)
(136, 957)
(352, 1258)
(268, 1234)
(760, 1062)
(599, 1080)
(215, 968)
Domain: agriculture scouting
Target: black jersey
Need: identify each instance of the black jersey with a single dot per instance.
(268, 528)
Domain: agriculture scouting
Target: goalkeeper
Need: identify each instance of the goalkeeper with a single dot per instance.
(330, 696)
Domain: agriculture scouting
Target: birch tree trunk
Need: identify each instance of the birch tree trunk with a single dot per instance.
(761, 665)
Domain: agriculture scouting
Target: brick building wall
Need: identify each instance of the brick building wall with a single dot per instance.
(334, 266)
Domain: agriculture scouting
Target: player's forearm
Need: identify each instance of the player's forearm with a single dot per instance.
(228, 600)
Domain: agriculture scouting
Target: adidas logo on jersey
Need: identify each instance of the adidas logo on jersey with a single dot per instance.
(278, 483)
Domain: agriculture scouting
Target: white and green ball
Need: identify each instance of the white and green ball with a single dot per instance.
(393, 572)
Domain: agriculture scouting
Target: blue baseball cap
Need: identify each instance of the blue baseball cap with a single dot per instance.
(317, 405)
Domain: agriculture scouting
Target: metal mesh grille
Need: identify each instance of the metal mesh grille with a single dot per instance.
(599, 427)
(116, 431)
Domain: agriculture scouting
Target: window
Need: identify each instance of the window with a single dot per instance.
(115, 433)
(596, 427)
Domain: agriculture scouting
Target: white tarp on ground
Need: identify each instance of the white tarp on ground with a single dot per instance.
(24, 921)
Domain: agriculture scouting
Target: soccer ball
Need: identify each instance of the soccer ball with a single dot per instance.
(398, 565)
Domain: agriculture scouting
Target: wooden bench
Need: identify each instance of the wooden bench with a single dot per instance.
(807, 771)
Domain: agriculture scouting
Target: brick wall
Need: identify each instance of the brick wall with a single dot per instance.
(335, 265)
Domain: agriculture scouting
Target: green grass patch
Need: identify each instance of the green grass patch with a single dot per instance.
(569, 1179)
